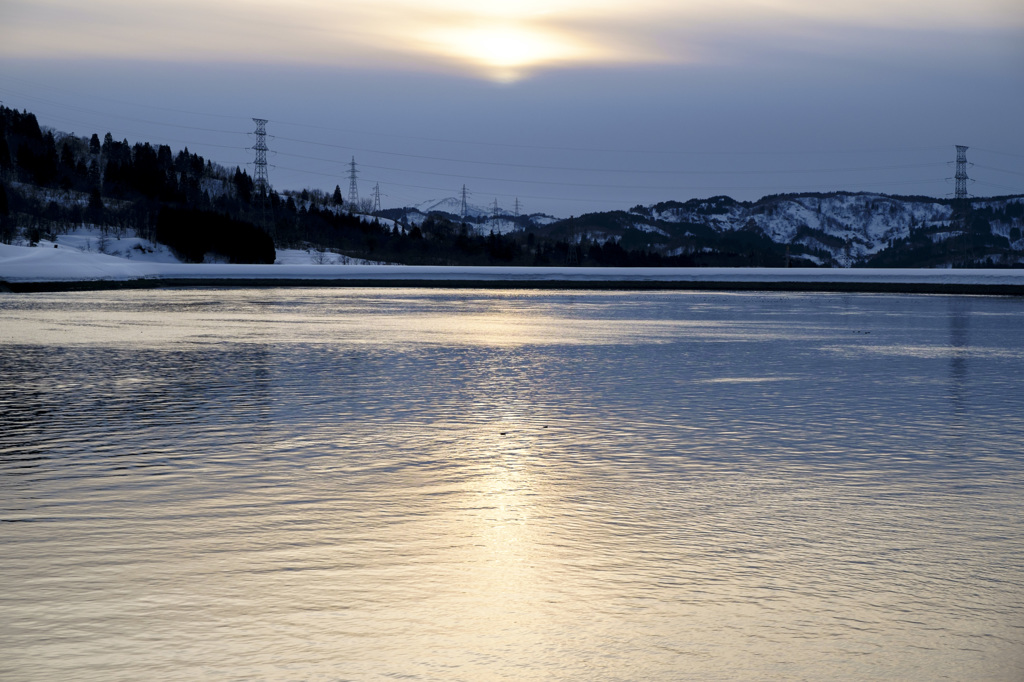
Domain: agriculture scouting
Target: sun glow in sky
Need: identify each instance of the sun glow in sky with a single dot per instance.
(498, 40)
(507, 51)
(501, 41)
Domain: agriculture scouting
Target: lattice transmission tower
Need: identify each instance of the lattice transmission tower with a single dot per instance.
(353, 188)
(961, 173)
(465, 203)
(573, 256)
(261, 183)
(376, 198)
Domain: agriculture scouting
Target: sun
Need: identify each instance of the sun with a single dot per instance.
(508, 52)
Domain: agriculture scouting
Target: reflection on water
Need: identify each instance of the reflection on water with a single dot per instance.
(371, 484)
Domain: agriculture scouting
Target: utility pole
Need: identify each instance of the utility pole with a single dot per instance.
(353, 188)
(260, 181)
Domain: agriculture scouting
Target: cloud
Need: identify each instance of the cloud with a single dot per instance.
(498, 39)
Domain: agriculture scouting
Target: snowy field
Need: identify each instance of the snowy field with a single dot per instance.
(85, 257)
(88, 255)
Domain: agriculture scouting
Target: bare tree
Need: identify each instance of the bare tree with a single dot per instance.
(320, 256)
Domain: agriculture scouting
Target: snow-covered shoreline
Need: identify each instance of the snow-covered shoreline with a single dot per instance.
(27, 268)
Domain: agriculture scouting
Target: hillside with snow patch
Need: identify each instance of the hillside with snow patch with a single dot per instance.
(840, 229)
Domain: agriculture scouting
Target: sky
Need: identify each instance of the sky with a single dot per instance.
(563, 106)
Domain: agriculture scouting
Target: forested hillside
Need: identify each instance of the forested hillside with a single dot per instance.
(52, 183)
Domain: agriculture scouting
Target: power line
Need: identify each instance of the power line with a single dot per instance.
(659, 152)
(992, 184)
(559, 183)
(80, 95)
(1002, 153)
(773, 189)
(998, 170)
(513, 145)
(195, 143)
(107, 114)
(682, 186)
(517, 145)
(584, 169)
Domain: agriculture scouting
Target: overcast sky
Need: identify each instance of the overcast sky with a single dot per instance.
(569, 106)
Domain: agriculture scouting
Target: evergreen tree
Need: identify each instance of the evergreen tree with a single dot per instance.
(6, 224)
(94, 175)
(5, 153)
(243, 185)
(94, 211)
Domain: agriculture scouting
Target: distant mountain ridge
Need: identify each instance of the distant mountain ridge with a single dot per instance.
(837, 229)
(451, 206)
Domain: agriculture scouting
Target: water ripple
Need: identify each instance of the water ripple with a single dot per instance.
(367, 484)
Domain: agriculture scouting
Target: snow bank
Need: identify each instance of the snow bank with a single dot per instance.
(42, 264)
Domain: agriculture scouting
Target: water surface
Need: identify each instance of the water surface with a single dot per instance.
(477, 485)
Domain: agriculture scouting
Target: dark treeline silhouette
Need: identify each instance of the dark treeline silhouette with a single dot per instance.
(196, 234)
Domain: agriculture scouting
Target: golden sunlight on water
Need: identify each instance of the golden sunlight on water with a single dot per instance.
(510, 485)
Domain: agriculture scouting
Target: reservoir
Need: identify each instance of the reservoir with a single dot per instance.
(432, 484)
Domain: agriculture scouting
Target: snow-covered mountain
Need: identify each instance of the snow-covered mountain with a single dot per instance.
(838, 229)
(851, 227)
(481, 220)
(453, 206)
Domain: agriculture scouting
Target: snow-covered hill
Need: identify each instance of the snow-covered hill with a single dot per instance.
(864, 223)
(453, 206)
(481, 220)
(88, 249)
(841, 228)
